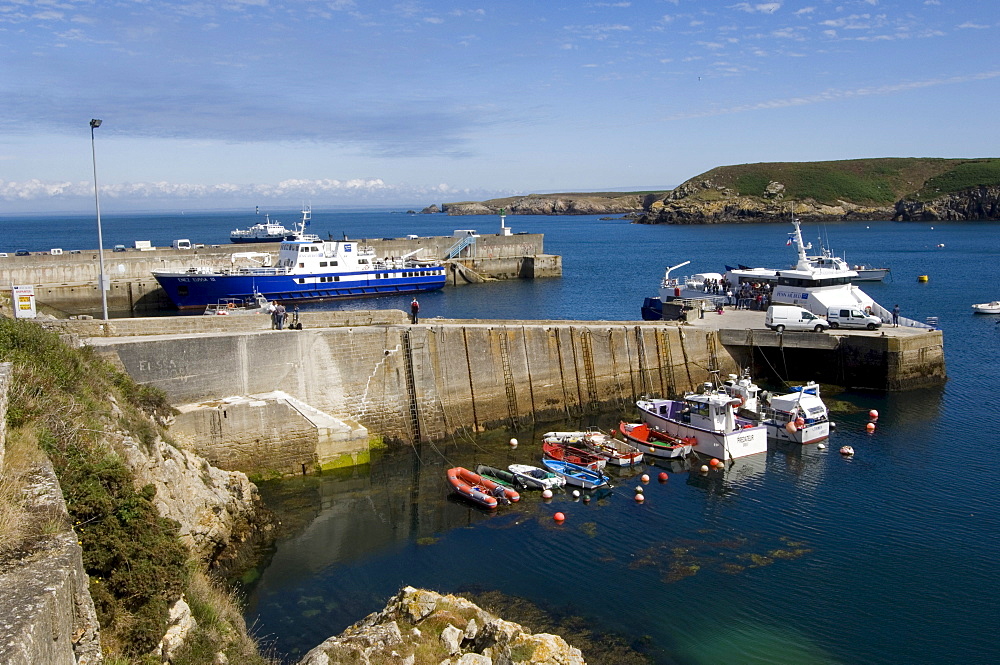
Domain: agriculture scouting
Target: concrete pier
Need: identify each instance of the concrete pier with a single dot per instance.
(66, 285)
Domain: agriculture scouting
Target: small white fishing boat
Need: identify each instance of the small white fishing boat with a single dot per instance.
(535, 478)
(230, 306)
(799, 416)
(987, 307)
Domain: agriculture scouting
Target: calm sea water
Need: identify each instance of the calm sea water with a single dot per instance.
(798, 556)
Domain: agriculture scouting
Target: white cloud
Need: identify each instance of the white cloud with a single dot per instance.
(971, 25)
(836, 95)
(763, 8)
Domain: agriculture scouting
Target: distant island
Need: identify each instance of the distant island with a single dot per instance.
(901, 189)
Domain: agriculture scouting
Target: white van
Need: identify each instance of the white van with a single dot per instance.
(183, 243)
(843, 317)
(788, 317)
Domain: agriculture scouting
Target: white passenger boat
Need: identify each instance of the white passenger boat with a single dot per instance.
(710, 418)
(987, 307)
(266, 231)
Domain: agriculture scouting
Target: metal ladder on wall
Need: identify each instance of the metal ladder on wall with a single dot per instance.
(587, 349)
(411, 387)
(508, 375)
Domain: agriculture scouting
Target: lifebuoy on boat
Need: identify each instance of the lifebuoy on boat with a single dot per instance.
(232, 305)
(738, 401)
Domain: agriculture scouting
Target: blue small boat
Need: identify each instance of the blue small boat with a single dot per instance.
(576, 474)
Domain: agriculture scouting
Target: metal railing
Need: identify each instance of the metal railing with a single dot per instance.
(457, 248)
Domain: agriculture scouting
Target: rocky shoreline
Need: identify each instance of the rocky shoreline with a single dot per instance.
(706, 202)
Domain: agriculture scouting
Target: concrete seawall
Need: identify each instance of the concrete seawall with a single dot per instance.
(424, 382)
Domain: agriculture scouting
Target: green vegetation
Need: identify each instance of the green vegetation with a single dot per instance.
(862, 181)
(72, 405)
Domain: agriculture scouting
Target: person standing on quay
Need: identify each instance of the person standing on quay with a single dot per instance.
(414, 310)
(895, 316)
(279, 316)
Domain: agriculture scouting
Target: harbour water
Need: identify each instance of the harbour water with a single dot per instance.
(798, 556)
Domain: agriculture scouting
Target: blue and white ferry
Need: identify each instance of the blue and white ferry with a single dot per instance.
(308, 269)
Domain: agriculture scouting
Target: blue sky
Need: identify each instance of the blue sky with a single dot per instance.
(238, 103)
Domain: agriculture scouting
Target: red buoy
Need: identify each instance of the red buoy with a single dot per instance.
(663, 476)
(559, 517)
(873, 413)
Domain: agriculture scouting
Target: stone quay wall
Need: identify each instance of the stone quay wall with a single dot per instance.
(424, 382)
(67, 283)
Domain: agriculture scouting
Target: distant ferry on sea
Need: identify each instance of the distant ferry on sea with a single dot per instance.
(267, 232)
(308, 269)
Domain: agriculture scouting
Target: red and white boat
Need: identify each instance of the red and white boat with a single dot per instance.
(477, 489)
(554, 449)
(615, 451)
(656, 443)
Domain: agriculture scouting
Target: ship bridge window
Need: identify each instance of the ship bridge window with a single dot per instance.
(322, 264)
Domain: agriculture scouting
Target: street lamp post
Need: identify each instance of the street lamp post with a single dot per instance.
(102, 279)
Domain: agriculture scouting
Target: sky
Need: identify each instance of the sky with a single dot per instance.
(242, 103)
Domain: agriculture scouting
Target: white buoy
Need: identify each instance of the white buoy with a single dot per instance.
(704, 468)
(847, 451)
(513, 443)
(821, 446)
(576, 494)
(546, 493)
(638, 489)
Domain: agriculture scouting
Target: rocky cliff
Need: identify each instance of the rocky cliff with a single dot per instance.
(975, 203)
(419, 627)
(610, 203)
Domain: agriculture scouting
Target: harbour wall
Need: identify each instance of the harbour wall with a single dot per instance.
(428, 381)
(67, 284)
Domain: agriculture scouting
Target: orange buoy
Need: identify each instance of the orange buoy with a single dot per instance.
(644, 478)
(870, 427)
(663, 476)
(558, 517)
(713, 462)
(800, 422)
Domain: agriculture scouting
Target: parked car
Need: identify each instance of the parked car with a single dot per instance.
(789, 317)
(119, 248)
(22, 252)
(840, 317)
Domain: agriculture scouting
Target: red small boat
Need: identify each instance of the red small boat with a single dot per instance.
(656, 443)
(567, 453)
(480, 490)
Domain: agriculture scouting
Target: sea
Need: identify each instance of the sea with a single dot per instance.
(797, 556)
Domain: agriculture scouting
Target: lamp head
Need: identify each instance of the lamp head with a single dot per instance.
(95, 123)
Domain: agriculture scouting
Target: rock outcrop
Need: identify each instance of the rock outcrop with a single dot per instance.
(558, 204)
(217, 510)
(976, 203)
(420, 627)
(705, 202)
(46, 612)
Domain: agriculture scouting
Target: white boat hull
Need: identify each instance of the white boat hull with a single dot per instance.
(721, 445)
(987, 308)
(809, 434)
(663, 452)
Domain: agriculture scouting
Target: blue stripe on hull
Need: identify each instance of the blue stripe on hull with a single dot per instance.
(204, 289)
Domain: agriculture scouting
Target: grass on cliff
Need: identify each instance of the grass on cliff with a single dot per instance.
(76, 406)
(877, 182)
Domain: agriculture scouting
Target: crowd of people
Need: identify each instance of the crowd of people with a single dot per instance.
(745, 295)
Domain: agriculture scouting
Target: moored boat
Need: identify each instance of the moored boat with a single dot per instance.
(615, 451)
(709, 417)
(987, 307)
(231, 306)
(799, 416)
(500, 476)
(575, 474)
(534, 478)
(307, 269)
(655, 443)
(566, 452)
(477, 489)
